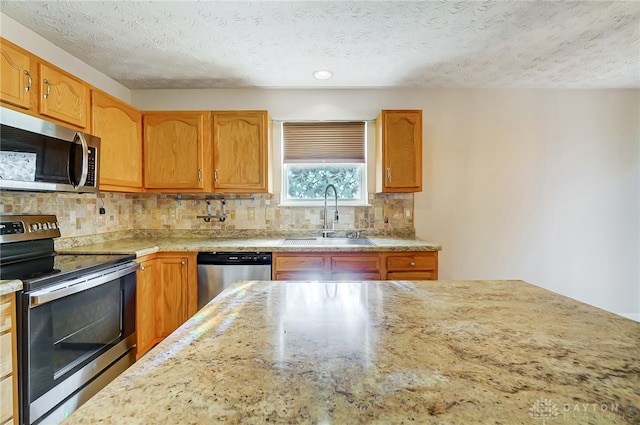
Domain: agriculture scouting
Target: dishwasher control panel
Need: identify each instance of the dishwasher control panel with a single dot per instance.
(235, 258)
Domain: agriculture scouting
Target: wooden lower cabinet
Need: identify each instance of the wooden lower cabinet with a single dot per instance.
(147, 276)
(403, 265)
(8, 361)
(166, 296)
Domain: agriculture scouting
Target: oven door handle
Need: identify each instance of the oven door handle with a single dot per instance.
(61, 290)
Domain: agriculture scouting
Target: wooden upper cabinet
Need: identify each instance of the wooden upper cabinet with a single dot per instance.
(16, 76)
(119, 127)
(399, 151)
(175, 147)
(242, 151)
(63, 97)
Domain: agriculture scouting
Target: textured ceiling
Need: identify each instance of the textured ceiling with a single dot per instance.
(278, 44)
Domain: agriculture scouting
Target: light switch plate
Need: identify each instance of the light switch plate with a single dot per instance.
(407, 212)
(377, 213)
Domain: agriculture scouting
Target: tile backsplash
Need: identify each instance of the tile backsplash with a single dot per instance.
(78, 214)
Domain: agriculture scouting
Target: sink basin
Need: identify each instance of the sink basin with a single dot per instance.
(327, 242)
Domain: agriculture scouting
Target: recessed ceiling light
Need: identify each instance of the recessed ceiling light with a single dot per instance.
(322, 74)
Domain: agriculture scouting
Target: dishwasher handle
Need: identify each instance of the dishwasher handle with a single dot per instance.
(234, 258)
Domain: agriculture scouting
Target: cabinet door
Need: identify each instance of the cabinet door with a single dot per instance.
(63, 97)
(8, 360)
(399, 139)
(171, 300)
(119, 127)
(16, 76)
(241, 151)
(146, 306)
(174, 150)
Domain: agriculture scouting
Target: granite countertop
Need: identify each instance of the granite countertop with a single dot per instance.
(383, 352)
(9, 286)
(145, 246)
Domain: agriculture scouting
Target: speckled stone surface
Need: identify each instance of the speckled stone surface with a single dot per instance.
(144, 246)
(430, 352)
(9, 286)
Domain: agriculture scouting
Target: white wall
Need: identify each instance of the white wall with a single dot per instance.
(539, 185)
(32, 42)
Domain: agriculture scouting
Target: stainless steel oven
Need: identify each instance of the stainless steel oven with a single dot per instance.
(76, 318)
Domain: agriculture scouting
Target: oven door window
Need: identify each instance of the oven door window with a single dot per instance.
(67, 333)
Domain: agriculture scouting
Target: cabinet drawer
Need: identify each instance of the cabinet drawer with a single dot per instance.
(300, 275)
(417, 275)
(6, 399)
(355, 276)
(357, 263)
(427, 261)
(299, 262)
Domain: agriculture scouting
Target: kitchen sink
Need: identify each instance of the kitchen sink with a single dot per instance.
(327, 242)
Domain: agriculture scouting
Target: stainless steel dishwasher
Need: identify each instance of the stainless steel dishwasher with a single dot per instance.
(217, 270)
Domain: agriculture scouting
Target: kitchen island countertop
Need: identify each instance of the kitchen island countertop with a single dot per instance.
(384, 352)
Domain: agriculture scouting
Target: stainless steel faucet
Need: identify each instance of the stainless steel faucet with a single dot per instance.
(325, 231)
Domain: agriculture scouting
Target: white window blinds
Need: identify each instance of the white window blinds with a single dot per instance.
(333, 142)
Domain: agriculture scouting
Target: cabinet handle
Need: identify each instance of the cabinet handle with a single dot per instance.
(46, 95)
(141, 268)
(29, 80)
(388, 174)
(183, 262)
(200, 174)
(215, 175)
(412, 264)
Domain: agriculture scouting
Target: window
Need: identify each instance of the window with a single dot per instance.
(320, 153)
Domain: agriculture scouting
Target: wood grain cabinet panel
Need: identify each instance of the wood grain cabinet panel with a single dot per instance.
(63, 97)
(119, 127)
(147, 276)
(361, 266)
(241, 151)
(176, 291)
(8, 360)
(399, 151)
(298, 266)
(175, 147)
(411, 265)
(326, 266)
(17, 76)
(171, 298)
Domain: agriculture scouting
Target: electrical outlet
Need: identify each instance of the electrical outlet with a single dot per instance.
(377, 213)
(268, 213)
(251, 213)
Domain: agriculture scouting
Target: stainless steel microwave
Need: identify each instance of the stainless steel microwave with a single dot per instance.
(38, 155)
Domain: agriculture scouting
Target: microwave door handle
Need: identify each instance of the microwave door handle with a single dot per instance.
(85, 162)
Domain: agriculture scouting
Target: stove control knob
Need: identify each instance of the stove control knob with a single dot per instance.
(35, 227)
(54, 225)
(45, 226)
